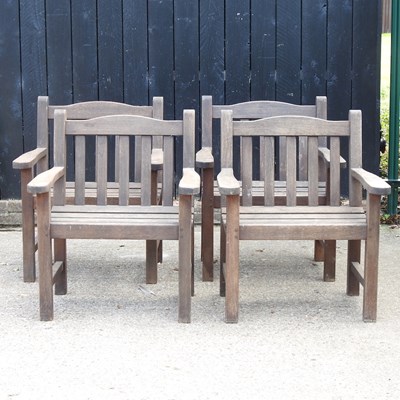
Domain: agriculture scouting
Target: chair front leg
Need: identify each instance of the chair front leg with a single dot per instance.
(371, 259)
(185, 258)
(207, 224)
(232, 259)
(45, 257)
(28, 227)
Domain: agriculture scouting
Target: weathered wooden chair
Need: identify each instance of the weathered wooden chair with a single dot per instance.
(37, 161)
(291, 221)
(60, 221)
(206, 161)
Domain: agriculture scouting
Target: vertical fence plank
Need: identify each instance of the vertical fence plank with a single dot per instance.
(109, 20)
(288, 50)
(59, 52)
(84, 46)
(59, 60)
(237, 51)
(161, 53)
(135, 52)
(10, 100)
(84, 61)
(339, 70)
(33, 64)
(263, 45)
(366, 69)
(212, 62)
(313, 44)
(186, 52)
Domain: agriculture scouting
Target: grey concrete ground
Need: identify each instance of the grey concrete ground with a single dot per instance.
(114, 337)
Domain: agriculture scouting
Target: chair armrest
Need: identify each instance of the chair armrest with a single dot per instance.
(371, 182)
(190, 182)
(157, 159)
(227, 183)
(325, 153)
(43, 182)
(30, 158)
(204, 158)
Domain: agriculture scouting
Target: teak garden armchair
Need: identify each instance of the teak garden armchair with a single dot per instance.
(207, 160)
(37, 161)
(60, 221)
(329, 222)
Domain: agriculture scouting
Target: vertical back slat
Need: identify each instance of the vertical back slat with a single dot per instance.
(313, 171)
(303, 159)
(101, 169)
(334, 180)
(206, 121)
(80, 168)
(123, 175)
(282, 158)
(269, 169)
(291, 171)
(355, 156)
(59, 155)
(168, 171)
(146, 171)
(246, 162)
(42, 130)
(138, 158)
(226, 139)
(188, 139)
(158, 113)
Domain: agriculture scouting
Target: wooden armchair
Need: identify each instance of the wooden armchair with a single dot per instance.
(208, 162)
(292, 221)
(37, 161)
(59, 221)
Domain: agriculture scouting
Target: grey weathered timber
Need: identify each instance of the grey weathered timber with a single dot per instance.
(60, 221)
(328, 222)
(81, 190)
(257, 192)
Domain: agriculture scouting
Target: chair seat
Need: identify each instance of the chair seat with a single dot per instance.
(115, 222)
(302, 223)
(279, 195)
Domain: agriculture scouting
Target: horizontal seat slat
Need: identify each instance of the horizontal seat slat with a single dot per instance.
(115, 231)
(114, 209)
(283, 210)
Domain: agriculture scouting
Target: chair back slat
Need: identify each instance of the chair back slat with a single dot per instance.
(291, 171)
(101, 169)
(268, 172)
(146, 171)
(247, 170)
(80, 169)
(312, 169)
(334, 179)
(123, 175)
(168, 168)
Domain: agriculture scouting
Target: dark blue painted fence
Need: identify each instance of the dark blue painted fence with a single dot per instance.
(235, 50)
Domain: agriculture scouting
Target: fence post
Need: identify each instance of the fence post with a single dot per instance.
(393, 167)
